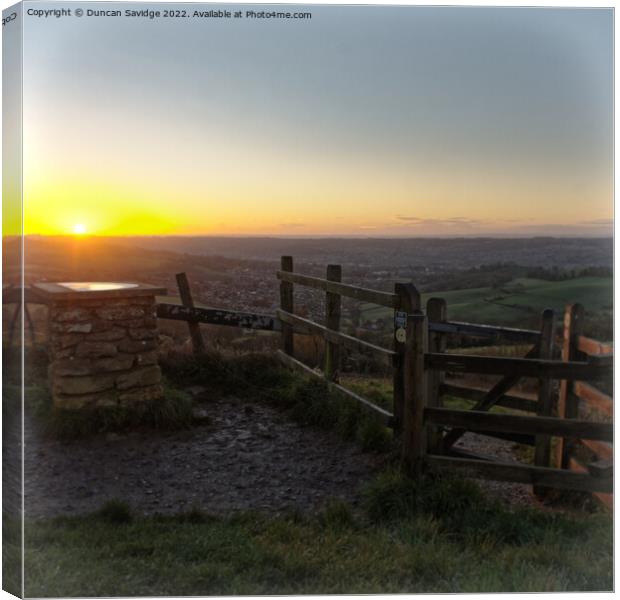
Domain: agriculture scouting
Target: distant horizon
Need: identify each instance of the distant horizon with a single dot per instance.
(322, 236)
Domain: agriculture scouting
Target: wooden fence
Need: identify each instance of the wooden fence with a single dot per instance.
(578, 396)
(193, 315)
(334, 338)
(419, 361)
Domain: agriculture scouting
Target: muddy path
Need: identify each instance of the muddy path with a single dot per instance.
(249, 456)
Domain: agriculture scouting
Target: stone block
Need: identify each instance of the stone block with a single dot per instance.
(72, 314)
(101, 325)
(142, 334)
(120, 362)
(89, 384)
(60, 342)
(96, 349)
(140, 377)
(65, 353)
(146, 358)
(80, 328)
(83, 327)
(136, 346)
(71, 367)
(131, 323)
(110, 335)
(117, 313)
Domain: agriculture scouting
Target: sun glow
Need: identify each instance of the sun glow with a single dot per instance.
(79, 229)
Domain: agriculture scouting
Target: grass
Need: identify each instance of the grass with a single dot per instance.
(11, 552)
(516, 302)
(261, 378)
(437, 535)
(440, 535)
(380, 392)
(173, 411)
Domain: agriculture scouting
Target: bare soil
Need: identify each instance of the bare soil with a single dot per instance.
(248, 456)
(510, 493)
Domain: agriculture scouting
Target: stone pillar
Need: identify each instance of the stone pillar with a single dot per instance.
(102, 346)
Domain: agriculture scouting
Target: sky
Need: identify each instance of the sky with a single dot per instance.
(370, 121)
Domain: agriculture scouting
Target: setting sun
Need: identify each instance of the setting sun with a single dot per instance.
(79, 229)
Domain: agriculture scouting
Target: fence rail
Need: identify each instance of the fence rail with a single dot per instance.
(351, 291)
(486, 331)
(478, 421)
(594, 397)
(336, 337)
(593, 347)
(519, 367)
(515, 402)
(217, 316)
(582, 359)
(420, 363)
(386, 416)
(333, 337)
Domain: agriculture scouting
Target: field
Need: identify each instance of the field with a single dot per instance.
(520, 300)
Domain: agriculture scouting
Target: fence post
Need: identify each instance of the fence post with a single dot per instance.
(408, 303)
(286, 304)
(185, 292)
(542, 452)
(568, 401)
(332, 321)
(436, 312)
(415, 342)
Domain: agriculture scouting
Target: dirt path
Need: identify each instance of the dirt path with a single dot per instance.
(249, 457)
(509, 493)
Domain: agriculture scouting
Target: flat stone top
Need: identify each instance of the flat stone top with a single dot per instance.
(75, 290)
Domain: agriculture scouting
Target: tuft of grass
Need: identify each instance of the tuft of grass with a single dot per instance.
(460, 508)
(195, 515)
(251, 373)
(171, 412)
(337, 516)
(115, 512)
(373, 436)
(261, 377)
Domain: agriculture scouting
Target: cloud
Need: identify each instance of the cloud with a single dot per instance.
(598, 222)
(463, 221)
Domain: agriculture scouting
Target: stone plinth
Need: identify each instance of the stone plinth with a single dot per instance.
(102, 343)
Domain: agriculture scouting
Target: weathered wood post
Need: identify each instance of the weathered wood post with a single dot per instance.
(542, 451)
(185, 292)
(436, 312)
(332, 321)
(286, 304)
(408, 302)
(415, 342)
(568, 402)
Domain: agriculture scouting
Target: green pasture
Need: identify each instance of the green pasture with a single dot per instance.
(517, 301)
